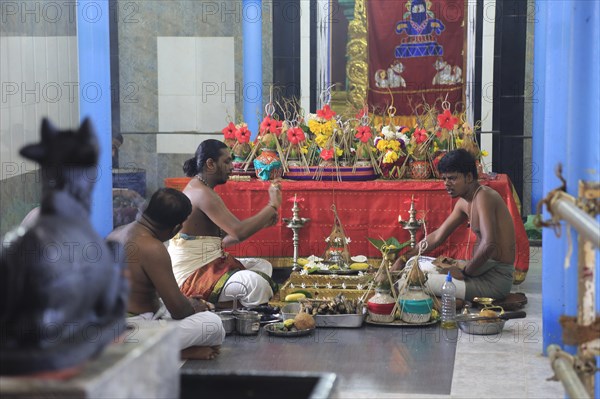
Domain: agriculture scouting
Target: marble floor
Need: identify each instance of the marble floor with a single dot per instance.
(508, 365)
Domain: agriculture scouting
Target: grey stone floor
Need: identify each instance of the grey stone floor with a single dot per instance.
(387, 362)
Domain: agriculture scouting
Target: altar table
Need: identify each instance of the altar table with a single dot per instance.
(365, 209)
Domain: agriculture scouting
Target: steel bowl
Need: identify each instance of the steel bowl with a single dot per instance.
(228, 321)
(480, 327)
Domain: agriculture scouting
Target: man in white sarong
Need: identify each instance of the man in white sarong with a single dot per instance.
(200, 265)
(155, 296)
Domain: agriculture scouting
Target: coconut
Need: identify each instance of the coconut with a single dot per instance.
(304, 321)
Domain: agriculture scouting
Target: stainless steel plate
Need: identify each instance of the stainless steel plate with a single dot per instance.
(272, 329)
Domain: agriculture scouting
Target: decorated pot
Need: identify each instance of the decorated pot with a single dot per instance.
(436, 160)
(268, 166)
(381, 306)
(415, 306)
(420, 170)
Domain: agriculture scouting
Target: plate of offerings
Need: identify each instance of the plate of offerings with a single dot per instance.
(280, 330)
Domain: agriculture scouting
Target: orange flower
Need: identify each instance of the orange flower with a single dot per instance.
(295, 135)
(446, 120)
(363, 133)
(229, 131)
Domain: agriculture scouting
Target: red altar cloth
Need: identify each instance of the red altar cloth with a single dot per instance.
(366, 209)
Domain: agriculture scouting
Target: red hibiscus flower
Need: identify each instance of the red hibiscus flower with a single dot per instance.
(269, 125)
(326, 112)
(295, 135)
(446, 120)
(420, 135)
(363, 133)
(229, 131)
(327, 154)
(243, 134)
(362, 113)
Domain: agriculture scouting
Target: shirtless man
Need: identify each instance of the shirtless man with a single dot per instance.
(151, 276)
(200, 265)
(490, 271)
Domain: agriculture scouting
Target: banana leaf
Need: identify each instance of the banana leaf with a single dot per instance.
(391, 245)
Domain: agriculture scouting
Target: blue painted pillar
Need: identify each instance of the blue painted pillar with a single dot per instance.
(253, 81)
(554, 103)
(539, 73)
(583, 122)
(93, 41)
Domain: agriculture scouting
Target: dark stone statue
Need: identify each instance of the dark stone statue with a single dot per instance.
(62, 287)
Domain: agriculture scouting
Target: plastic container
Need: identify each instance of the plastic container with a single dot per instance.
(448, 303)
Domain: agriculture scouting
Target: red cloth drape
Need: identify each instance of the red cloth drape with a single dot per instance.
(366, 209)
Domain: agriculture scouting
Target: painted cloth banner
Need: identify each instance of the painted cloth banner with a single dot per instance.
(416, 51)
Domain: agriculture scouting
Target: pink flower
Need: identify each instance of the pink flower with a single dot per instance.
(229, 131)
(243, 134)
(420, 135)
(326, 112)
(446, 120)
(327, 154)
(295, 135)
(363, 133)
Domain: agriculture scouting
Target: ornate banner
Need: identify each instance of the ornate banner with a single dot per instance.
(416, 53)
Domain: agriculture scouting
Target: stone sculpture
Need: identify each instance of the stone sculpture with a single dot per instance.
(63, 289)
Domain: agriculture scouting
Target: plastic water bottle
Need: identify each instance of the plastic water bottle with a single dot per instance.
(448, 303)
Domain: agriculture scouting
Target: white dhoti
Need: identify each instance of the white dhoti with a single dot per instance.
(200, 267)
(199, 329)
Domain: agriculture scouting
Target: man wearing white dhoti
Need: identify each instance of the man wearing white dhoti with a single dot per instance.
(200, 265)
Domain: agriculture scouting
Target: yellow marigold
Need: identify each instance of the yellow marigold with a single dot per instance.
(339, 151)
(382, 145)
(321, 140)
(304, 150)
(435, 147)
(390, 157)
(459, 142)
(484, 153)
(394, 145)
(315, 126)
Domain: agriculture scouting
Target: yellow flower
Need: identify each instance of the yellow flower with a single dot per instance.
(394, 145)
(321, 140)
(382, 145)
(435, 146)
(339, 152)
(459, 142)
(304, 150)
(484, 153)
(390, 157)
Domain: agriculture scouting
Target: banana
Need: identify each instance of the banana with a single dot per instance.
(294, 297)
(288, 323)
(359, 266)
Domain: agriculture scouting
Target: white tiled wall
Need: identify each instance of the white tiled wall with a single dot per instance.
(38, 77)
(196, 89)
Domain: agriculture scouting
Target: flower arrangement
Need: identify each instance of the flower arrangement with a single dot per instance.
(237, 138)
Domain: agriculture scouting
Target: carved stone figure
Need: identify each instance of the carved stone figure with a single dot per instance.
(62, 287)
